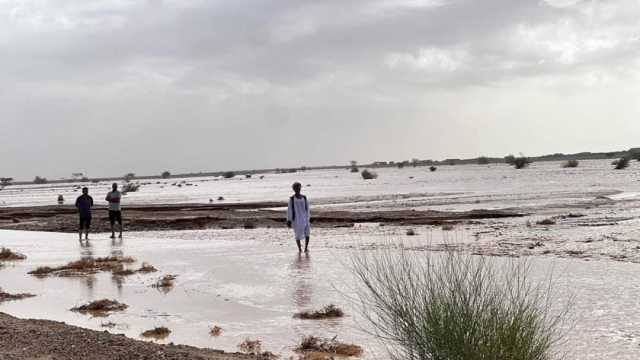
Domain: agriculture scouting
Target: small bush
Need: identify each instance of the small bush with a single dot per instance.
(510, 159)
(10, 255)
(40, 180)
(250, 347)
(571, 164)
(158, 333)
(13, 297)
(354, 169)
(328, 312)
(368, 175)
(328, 346)
(622, 163)
(166, 175)
(165, 282)
(483, 160)
(215, 331)
(100, 307)
(228, 174)
(433, 168)
(546, 222)
(129, 187)
(521, 162)
(455, 306)
(411, 232)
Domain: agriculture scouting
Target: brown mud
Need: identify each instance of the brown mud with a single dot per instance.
(51, 340)
(224, 216)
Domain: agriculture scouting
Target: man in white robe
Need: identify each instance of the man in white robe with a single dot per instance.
(299, 216)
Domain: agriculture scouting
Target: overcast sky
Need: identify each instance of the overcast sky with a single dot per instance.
(108, 87)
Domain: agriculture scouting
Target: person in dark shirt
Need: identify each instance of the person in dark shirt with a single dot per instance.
(84, 203)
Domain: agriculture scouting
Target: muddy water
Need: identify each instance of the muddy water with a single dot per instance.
(460, 187)
(250, 282)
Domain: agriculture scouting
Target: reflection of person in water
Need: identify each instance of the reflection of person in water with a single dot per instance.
(302, 288)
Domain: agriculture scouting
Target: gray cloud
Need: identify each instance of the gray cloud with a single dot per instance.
(110, 87)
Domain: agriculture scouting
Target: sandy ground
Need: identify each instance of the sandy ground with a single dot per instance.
(222, 216)
(51, 340)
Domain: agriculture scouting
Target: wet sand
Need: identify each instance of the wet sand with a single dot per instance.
(44, 339)
(224, 216)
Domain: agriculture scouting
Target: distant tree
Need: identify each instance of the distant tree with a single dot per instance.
(623, 163)
(166, 175)
(483, 160)
(510, 159)
(40, 180)
(400, 165)
(5, 181)
(368, 175)
(415, 162)
(354, 166)
(128, 177)
(521, 162)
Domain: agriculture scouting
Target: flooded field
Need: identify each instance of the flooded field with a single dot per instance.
(251, 282)
(584, 223)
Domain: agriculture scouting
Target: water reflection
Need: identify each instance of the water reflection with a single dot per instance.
(86, 250)
(302, 287)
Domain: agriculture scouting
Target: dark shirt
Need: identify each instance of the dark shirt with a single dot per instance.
(84, 204)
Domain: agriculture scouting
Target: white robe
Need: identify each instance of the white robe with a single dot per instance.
(301, 226)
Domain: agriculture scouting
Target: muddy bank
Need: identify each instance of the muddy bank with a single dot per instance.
(43, 339)
(223, 216)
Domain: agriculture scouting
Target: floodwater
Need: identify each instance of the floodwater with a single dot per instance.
(251, 282)
(448, 188)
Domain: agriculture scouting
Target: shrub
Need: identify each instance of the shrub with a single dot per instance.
(571, 164)
(354, 169)
(228, 174)
(158, 333)
(327, 312)
(455, 306)
(433, 168)
(368, 175)
(8, 254)
(166, 175)
(129, 187)
(623, 163)
(510, 159)
(40, 180)
(312, 344)
(128, 177)
(100, 307)
(483, 160)
(521, 162)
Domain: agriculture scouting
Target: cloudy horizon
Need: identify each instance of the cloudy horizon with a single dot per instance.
(107, 88)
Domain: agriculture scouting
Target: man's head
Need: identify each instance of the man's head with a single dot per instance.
(296, 187)
(114, 186)
(85, 190)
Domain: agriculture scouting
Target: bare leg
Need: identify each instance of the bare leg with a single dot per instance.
(86, 234)
(120, 230)
(80, 233)
(299, 246)
(113, 231)
(306, 244)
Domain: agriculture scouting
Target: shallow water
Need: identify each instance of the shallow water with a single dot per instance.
(250, 282)
(459, 187)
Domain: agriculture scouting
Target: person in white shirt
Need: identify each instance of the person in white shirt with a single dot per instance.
(115, 210)
(299, 217)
